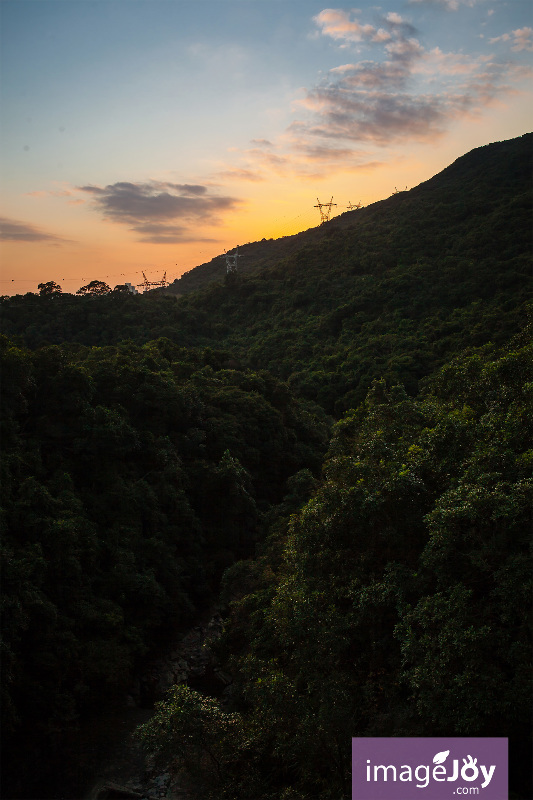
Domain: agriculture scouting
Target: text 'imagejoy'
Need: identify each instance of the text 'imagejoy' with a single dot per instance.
(429, 768)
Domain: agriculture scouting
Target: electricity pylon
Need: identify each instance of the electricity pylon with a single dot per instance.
(352, 207)
(324, 215)
(231, 260)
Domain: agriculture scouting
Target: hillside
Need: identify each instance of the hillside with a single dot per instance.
(387, 291)
(334, 445)
(477, 176)
(255, 256)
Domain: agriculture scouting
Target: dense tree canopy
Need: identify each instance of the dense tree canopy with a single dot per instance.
(400, 603)
(160, 453)
(132, 476)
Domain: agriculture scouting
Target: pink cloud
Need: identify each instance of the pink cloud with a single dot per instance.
(240, 174)
(63, 192)
(435, 62)
(337, 24)
(521, 39)
(403, 94)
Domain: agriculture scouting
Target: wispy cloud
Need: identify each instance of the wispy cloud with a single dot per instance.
(521, 39)
(13, 231)
(449, 5)
(161, 212)
(436, 63)
(367, 101)
(409, 94)
(390, 90)
(64, 190)
(262, 142)
(299, 156)
(338, 24)
(241, 174)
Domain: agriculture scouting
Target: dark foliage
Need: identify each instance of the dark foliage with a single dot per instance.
(398, 601)
(387, 291)
(131, 476)
(160, 450)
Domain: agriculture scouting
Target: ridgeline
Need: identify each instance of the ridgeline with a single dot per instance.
(390, 290)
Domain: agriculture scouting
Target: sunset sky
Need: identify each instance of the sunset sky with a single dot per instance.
(153, 134)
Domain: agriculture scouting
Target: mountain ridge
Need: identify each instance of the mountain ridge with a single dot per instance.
(266, 252)
(389, 291)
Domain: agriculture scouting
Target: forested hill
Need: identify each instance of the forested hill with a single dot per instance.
(476, 179)
(337, 448)
(388, 291)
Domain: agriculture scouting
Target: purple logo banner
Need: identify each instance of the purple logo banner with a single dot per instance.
(440, 768)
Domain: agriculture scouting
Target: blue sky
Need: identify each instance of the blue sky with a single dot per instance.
(152, 134)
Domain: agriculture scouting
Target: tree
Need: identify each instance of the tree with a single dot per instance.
(193, 731)
(50, 288)
(95, 287)
(122, 288)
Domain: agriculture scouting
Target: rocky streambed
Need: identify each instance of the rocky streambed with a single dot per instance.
(124, 771)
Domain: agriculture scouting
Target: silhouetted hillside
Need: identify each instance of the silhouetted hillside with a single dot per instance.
(391, 290)
(472, 183)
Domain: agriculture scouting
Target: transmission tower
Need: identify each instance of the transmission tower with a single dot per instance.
(352, 207)
(146, 284)
(325, 210)
(231, 260)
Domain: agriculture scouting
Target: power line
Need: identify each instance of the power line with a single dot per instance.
(325, 210)
(78, 279)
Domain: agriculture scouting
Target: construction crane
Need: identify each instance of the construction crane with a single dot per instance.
(325, 214)
(146, 284)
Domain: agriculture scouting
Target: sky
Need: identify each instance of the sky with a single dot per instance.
(152, 135)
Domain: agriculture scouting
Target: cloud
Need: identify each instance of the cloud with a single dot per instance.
(378, 117)
(160, 212)
(303, 157)
(435, 62)
(13, 231)
(448, 5)
(398, 93)
(161, 233)
(368, 101)
(521, 39)
(262, 142)
(237, 174)
(337, 24)
(406, 94)
(62, 192)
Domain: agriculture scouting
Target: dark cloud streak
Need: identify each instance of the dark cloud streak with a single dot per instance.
(149, 207)
(13, 231)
